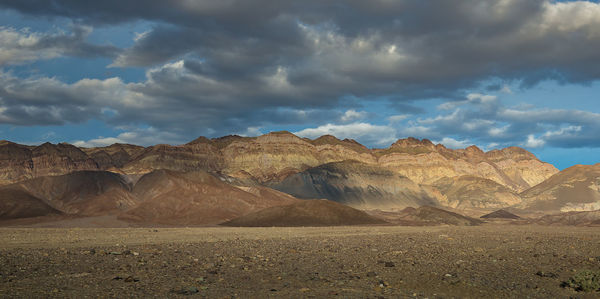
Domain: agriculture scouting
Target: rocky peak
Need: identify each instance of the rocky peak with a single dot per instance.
(280, 137)
(199, 140)
(332, 140)
(474, 150)
(222, 142)
(59, 150)
(413, 142)
(13, 151)
(513, 152)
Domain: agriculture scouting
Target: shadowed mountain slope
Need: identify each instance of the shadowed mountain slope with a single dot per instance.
(356, 184)
(500, 214)
(81, 192)
(17, 203)
(306, 213)
(425, 215)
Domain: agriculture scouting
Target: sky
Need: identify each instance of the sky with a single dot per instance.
(490, 73)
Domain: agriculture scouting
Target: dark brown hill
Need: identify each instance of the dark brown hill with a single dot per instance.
(500, 214)
(17, 203)
(426, 215)
(196, 198)
(306, 213)
(82, 192)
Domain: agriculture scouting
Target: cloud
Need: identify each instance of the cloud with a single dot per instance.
(218, 67)
(23, 46)
(533, 142)
(353, 115)
(453, 143)
(483, 119)
(472, 98)
(325, 49)
(363, 132)
(251, 132)
(506, 89)
(397, 118)
(139, 136)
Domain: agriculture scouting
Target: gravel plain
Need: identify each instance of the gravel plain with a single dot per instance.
(489, 261)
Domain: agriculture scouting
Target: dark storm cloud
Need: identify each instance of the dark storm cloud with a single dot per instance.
(228, 65)
(444, 45)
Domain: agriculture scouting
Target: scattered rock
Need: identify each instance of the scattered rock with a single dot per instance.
(390, 264)
(371, 274)
(186, 291)
(546, 274)
(126, 278)
(131, 279)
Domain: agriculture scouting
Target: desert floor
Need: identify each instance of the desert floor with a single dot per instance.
(347, 262)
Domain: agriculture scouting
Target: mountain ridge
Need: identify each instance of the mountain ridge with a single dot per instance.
(274, 156)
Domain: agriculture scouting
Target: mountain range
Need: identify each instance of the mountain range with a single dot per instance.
(211, 181)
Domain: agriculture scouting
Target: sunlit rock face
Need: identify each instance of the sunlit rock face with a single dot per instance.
(424, 163)
(576, 188)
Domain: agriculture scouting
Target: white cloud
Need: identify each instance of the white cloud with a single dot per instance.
(533, 142)
(453, 143)
(353, 115)
(251, 132)
(481, 98)
(497, 132)
(506, 89)
(363, 132)
(18, 47)
(138, 136)
(570, 130)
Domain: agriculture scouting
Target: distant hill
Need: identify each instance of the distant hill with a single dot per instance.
(424, 216)
(500, 214)
(196, 198)
(306, 213)
(576, 188)
(586, 218)
(17, 203)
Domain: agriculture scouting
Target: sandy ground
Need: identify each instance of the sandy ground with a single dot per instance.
(492, 261)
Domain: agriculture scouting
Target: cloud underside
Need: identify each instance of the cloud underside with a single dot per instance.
(235, 66)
